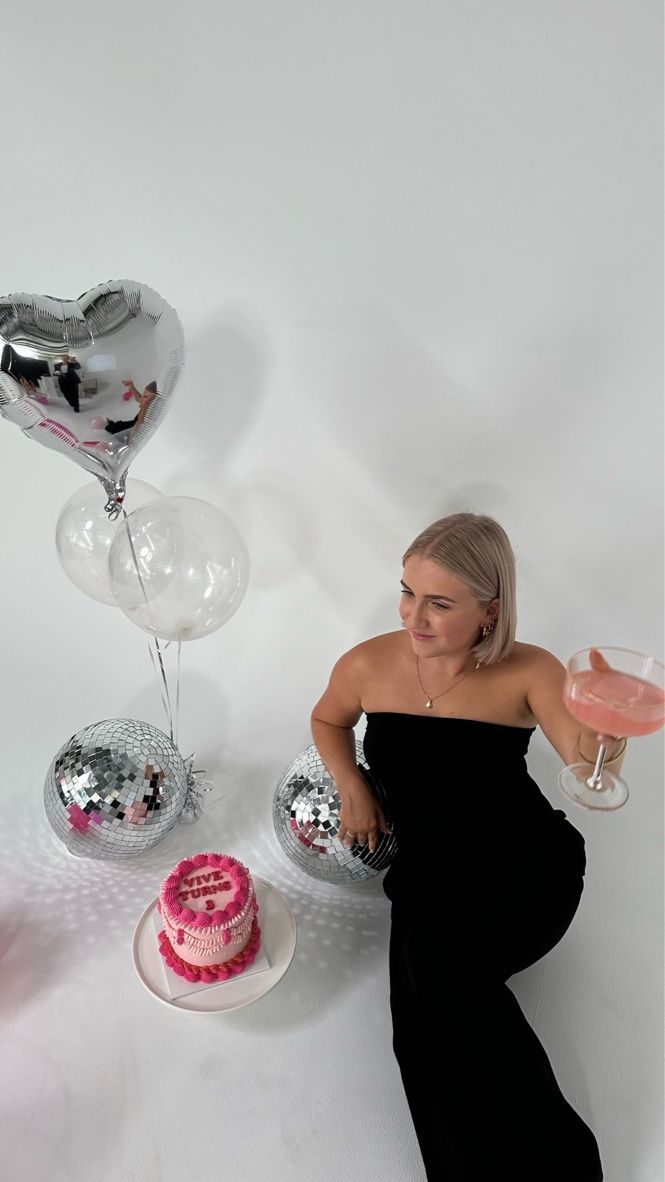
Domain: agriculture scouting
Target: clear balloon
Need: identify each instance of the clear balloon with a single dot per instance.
(84, 534)
(178, 568)
(119, 343)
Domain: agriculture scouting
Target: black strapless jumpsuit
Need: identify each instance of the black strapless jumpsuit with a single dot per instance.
(486, 881)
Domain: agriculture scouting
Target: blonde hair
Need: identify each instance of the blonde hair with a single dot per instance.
(476, 549)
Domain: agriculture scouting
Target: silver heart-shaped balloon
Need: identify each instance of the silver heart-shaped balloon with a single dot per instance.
(93, 377)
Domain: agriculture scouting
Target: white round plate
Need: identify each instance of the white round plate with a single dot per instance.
(278, 937)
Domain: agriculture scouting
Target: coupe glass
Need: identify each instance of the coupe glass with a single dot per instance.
(620, 694)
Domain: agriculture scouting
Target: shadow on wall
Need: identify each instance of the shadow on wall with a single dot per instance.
(415, 430)
(421, 431)
(418, 441)
(222, 387)
(375, 480)
(415, 444)
(270, 512)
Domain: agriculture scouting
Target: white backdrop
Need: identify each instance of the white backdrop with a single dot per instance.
(416, 248)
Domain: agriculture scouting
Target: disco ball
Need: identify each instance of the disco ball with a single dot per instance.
(306, 810)
(115, 789)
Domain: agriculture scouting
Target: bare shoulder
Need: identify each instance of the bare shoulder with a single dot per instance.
(533, 661)
(353, 675)
(531, 677)
(371, 656)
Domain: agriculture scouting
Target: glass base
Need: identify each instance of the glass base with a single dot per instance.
(574, 783)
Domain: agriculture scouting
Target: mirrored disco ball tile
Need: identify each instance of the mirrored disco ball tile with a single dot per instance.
(115, 789)
(306, 812)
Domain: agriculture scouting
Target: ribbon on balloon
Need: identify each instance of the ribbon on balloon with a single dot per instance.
(198, 785)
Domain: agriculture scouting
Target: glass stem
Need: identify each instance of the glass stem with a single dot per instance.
(596, 778)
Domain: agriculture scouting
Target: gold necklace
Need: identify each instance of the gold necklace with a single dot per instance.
(429, 702)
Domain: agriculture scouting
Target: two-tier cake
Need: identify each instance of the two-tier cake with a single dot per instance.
(209, 912)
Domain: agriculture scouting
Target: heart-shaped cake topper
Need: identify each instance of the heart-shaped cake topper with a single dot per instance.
(93, 377)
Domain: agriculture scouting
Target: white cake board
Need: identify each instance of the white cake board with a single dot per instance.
(278, 940)
(177, 986)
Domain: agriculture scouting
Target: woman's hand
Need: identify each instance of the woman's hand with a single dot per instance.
(131, 388)
(361, 818)
(597, 661)
(545, 698)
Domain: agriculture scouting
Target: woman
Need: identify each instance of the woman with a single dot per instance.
(115, 426)
(488, 876)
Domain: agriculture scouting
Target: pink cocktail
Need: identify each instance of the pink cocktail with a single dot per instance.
(614, 703)
(617, 693)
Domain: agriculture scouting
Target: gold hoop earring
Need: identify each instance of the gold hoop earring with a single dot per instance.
(487, 629)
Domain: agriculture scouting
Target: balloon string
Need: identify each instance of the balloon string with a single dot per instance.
(177, 695)
(161, 672)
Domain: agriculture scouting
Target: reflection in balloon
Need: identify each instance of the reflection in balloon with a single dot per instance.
(84, 534)
(60, 359)
(179, 568)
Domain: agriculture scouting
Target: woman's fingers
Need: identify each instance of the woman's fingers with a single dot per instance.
(371, 836)
(374, 837)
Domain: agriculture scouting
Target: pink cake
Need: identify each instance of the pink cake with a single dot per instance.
(208, 908)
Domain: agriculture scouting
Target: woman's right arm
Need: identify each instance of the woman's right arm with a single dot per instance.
(333, 720)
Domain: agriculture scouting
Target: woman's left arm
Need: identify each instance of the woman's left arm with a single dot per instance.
(572, 740)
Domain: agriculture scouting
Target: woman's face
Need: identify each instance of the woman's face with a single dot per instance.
(438, 610)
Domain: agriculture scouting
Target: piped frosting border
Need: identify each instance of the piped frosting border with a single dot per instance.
(179, 914)
(211, 972)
